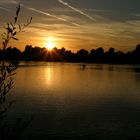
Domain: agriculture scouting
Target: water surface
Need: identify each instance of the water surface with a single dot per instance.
(69, 101)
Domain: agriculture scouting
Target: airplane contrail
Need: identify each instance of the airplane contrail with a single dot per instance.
(77, 10)
(50, 15)
(8, 2)
(5, 9)
(45, 13)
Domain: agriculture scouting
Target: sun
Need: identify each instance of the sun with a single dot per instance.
(50, 44)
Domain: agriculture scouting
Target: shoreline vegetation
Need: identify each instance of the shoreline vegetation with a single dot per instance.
(98, 55)
(10, 131)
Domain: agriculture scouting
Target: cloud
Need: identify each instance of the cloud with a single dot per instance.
(136, 15)
(60, 9)
(5, 9)
(8, 2)
(53, 16)
(77, 10)
(95, 10)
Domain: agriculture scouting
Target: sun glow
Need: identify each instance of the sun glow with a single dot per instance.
(50, 44)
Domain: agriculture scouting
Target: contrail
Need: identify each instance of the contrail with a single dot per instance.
(50, 15)
(5, 9)
(8, 2)
(47, 14)
(77, 10)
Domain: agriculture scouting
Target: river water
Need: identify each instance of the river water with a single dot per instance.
(69, 101)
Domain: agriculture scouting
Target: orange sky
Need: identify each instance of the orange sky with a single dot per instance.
(76, 24)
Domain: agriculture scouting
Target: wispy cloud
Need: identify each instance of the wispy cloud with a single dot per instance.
(95, 10)
(8, 2)
(3, 8)
(51, 15)
(136, 15)
(60, 9)
(77, 10)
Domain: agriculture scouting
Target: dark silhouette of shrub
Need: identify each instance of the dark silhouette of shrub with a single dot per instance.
(7, 72)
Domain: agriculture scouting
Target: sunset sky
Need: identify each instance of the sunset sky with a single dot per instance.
(76, 24)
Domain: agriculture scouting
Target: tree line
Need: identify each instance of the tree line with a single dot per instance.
(98, 55)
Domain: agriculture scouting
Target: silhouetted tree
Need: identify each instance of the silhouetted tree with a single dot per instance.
(69, 56)
(110, 56)
(136, 54)
(62, 55)
(26, 54)
(12, 54)
(92, 55)
(99, 55)
(82, 55)
(7, 71)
